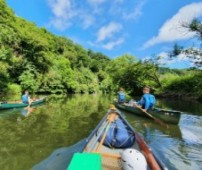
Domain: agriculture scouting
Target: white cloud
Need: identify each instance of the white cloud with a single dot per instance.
(172, 29)
(110, 45)
(182, 57)
(163, 55)
(137, 11)
(66, 13)
(106, 36)
(108, 31)
(62, 13)
(88, 20)
(164, 59)
(161, 58)
(60, 8)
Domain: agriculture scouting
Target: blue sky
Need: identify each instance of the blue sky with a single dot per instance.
(142, 28)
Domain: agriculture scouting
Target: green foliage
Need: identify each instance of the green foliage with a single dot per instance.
(30, 79)
(189, 82)
(42, 62)
(177, 50)
(35, 59)
(105, 82)
(132, 75)
(119, 66)
(60, 77)
(86, 81)
(14, 89)
(5, 54)
(196, 26)
(98, 61)
(4, 76)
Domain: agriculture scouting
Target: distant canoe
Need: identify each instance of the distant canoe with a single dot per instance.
(168, 116)
(11, 105)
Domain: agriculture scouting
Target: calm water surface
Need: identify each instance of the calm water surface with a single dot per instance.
(27, 140)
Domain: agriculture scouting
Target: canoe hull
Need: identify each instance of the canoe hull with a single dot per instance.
(111, 156)
(4, 106)
(167, 116)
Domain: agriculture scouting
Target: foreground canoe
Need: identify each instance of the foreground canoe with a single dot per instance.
(167, 116)
(11, 105)
(95, 155)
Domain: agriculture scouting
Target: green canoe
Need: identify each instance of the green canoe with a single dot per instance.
(168, 116)
(11, 105)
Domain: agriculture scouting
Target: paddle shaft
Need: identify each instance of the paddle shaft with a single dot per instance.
(111, 118)
(103, 137)
(155, 119)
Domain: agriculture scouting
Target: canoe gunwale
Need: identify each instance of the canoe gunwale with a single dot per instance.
(95, 130)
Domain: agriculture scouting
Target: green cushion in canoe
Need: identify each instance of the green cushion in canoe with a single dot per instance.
(85, 161)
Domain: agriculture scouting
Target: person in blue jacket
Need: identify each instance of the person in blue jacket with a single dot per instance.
(148, 100)
(25, 98)
(121, 96)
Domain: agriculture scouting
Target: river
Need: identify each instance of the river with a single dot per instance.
(27, 141)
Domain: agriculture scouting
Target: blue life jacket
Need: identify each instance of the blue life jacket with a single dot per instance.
(121, 97)
(147, 101)
(25, 98)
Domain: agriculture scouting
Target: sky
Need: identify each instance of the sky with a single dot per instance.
(143, 28)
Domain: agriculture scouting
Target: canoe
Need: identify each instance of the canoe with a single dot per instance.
(168, 116)
(95, 154)
(11, 105)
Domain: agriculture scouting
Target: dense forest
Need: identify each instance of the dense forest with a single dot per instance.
(33, 58)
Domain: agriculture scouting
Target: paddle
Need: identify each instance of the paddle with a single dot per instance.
(155, 119)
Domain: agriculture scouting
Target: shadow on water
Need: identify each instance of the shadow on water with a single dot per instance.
(44, 138)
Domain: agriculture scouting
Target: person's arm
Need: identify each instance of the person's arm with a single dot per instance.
(140, 102)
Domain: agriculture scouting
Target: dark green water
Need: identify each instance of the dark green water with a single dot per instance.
(25, 141)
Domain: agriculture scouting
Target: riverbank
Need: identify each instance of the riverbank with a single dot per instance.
(181, 96)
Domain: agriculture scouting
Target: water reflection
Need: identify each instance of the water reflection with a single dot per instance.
(59, 123)
(25, 141)
(27, 111)
(191, 107)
